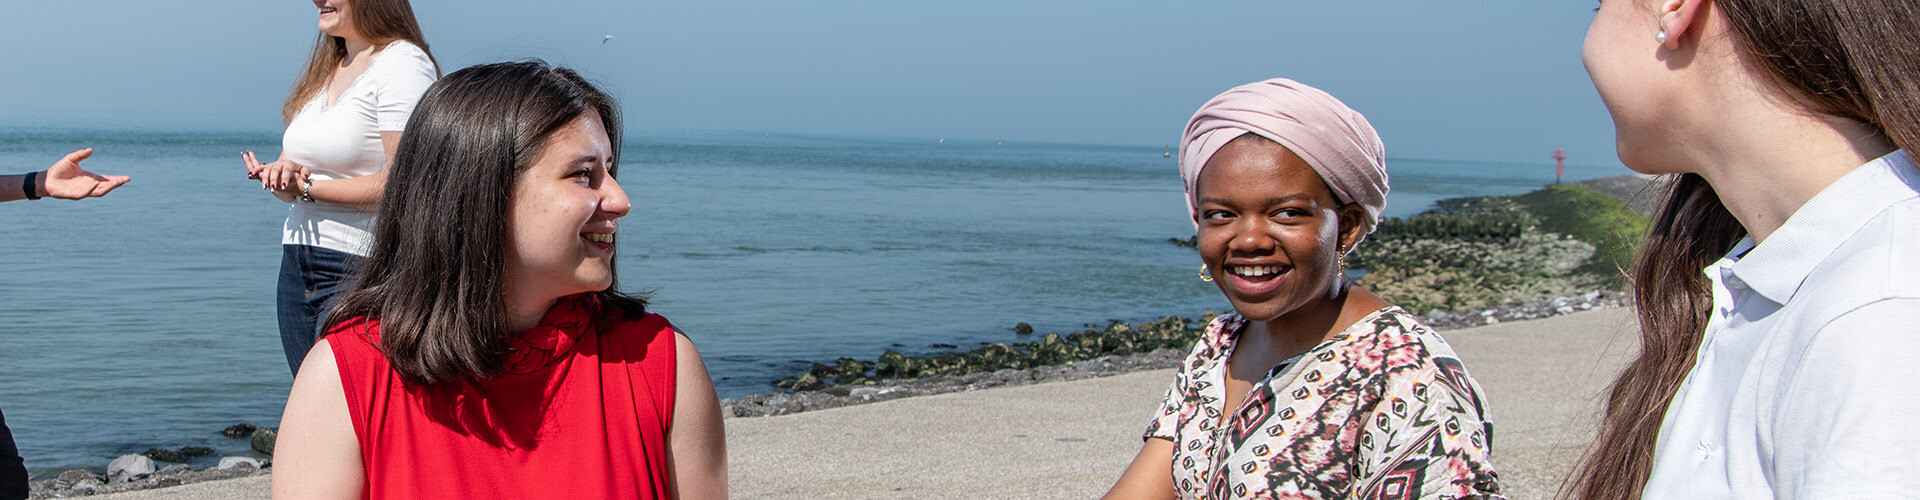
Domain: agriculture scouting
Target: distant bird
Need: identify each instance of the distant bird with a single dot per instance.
(604, 41)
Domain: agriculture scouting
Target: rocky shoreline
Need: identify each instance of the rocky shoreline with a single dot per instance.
(136, 472)
(139, 472)
(782, 403)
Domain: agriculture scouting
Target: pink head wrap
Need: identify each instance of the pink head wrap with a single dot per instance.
(1339, 143)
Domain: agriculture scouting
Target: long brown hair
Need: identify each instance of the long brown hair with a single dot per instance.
(1853, 59)
(380, 21)
(435, 278)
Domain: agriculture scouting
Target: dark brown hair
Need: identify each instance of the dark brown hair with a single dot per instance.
(435, 278)
(1852, 59)
(381, 21)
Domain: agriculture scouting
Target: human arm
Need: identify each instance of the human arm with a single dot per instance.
(1843, 426)
(286, 178)
(697, 441)
(64, 180)
(317, 455)
(1149, 476)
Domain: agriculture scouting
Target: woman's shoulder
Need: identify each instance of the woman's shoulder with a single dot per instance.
(1215, 339)
(1399, 345)
(1394, 326)
(402, 55)
(642, 328)
(356, 340)
(403, 49)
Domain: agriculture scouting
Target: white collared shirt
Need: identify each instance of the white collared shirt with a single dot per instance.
(1805, 384)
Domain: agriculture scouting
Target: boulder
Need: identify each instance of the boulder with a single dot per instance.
(164, 455)
(263, 439)
(239, 462)
(1022, 328)
(195, 451)
(237, 431)
(130, 466)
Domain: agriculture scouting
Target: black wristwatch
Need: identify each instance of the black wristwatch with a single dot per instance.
(31, 187)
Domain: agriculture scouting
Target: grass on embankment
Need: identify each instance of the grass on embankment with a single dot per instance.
(1477, 252)
(1606, 223)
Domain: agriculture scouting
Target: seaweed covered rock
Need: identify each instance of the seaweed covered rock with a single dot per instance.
(263, 439)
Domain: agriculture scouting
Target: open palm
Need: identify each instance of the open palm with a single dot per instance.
(67, 181)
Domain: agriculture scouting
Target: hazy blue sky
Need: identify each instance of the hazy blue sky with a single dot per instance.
(1496, 80)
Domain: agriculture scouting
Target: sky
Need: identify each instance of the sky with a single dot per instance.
(1496, 80)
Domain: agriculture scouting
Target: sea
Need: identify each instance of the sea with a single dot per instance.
(145, 319)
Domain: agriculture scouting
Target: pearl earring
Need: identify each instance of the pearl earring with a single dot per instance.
(1661, 36)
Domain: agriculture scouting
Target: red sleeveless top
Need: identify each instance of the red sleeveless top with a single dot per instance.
(579, 412)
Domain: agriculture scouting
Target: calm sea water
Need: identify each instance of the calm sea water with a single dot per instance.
(145, 319)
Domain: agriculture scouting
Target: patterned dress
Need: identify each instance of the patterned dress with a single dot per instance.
(1383, 410)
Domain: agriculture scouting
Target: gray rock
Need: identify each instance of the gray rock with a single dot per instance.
(864, 392)
(130, 466)
(242, 462)
(172, 470)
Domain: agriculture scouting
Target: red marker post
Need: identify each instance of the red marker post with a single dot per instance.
(1559, 163)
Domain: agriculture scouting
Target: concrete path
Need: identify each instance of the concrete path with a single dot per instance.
(1071, 439)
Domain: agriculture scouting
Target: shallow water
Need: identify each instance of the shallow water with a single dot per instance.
(145, 319)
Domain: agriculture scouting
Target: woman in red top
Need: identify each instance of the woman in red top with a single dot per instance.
(484, 350)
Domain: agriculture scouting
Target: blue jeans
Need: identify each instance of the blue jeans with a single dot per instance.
(310, 278)
(13, 471)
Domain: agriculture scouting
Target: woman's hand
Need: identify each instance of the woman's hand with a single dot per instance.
(66, 180)
(285, 178)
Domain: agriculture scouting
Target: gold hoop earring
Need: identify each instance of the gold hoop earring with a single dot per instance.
(1203, 274)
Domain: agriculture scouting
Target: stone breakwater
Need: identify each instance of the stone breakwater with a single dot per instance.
(835, 396)
(139, 472)
(1526, 310)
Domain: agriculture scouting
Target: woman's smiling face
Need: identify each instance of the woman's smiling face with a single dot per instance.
(564, 213)
(1270, 230)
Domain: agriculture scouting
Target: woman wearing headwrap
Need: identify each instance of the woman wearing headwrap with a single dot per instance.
(1313, 387)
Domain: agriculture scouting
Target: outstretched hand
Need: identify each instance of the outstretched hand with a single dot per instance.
(67, 181)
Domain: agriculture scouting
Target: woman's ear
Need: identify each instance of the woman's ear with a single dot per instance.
(1350, 216)
(1679, 16)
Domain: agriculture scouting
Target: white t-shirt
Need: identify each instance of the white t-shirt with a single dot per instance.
(1803, 387)
(343, 141)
